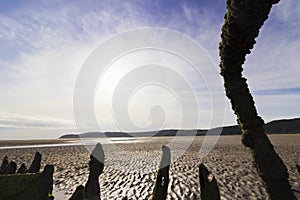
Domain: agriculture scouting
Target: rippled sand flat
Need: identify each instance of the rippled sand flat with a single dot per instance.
(130, 168)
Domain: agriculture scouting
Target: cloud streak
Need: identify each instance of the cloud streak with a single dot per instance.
(283, 91)
(44, 44)
(17, 120)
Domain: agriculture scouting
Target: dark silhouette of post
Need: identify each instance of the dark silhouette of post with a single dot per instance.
(160, 190)
(96, 166)
(4, 164)
(10, 168)
(24, 185)
(46, 183)
(78, 194)
(36, 163)
(209, 189)
(22, 169)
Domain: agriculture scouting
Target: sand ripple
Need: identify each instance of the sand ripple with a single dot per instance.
(132, 172)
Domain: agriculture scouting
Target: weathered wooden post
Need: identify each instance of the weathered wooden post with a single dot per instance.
(208, 188)
(160, 190)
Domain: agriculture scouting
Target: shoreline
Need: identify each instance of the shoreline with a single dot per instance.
(10, 144)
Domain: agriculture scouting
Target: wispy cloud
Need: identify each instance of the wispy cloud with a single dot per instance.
(18, 120)
(44, 44)
(282, 91)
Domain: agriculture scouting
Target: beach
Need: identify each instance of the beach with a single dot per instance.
(131, 166)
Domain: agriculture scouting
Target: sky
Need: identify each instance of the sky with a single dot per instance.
(44, 44)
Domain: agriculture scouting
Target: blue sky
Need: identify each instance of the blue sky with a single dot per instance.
(43, 44)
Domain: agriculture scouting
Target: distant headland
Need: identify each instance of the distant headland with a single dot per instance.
(283, 126)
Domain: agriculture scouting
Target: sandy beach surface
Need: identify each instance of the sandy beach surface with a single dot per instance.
(130, 167)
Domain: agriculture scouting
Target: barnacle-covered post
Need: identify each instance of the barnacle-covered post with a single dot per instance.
(242, 23)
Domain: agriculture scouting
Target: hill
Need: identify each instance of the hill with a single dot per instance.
(284, 126)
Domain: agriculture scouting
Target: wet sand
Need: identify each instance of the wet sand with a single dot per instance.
(11, 143)
(130, 168)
